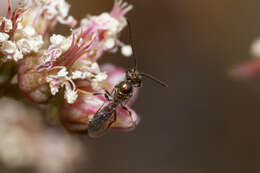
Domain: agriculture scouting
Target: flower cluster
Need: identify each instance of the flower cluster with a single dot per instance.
(55, 68)
(16, 41)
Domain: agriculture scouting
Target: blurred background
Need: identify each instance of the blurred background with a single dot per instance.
(205, 122)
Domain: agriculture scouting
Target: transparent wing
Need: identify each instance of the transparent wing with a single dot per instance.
(101, 124)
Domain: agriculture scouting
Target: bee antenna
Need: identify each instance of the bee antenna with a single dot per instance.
(132, 43)
(154, 79)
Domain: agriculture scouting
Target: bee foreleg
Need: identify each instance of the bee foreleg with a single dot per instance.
(106, 95)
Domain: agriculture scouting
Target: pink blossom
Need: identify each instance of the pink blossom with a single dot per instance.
(65, 69)
(81, 43)
(85, 45)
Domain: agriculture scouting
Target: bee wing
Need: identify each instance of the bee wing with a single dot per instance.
(101, 127)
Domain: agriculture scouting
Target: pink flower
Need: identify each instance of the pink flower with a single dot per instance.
(107, 27)
(69, 50)
(50, 66)
(76, 117)
(247, 70)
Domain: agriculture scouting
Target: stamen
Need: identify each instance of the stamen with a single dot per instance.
(9, 10)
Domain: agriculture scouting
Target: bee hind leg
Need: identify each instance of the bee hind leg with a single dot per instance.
(114, 120)
(128, 111)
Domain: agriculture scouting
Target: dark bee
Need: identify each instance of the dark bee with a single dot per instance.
(121, 93)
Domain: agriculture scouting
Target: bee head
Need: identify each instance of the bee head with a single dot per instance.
(134, 77)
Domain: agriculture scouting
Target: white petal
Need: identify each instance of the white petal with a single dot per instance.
(3, 37)
(110, 43)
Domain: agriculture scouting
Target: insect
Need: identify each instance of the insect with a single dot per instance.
(120, 95)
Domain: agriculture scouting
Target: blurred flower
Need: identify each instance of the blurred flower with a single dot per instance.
(26, 143)
(247, 70)
(251, 68)
(43, 15)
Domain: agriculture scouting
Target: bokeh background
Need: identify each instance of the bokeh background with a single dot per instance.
(205, 122)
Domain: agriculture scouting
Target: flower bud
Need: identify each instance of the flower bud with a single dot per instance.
(75, 117)
(124, 121)
(33, 82)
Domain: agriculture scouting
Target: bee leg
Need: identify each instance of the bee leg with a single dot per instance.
(114, 120)
(108, 93)
(107, 96)
(128, 111)
(113, 91)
